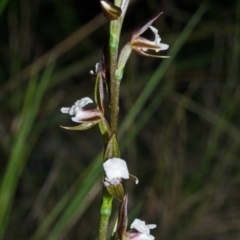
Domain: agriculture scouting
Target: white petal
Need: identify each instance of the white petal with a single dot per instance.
(157, 37)
(164, 46)
(157, 40)
(74, 119)
(65, 110)
(74, 109)
(145, 237)
(140, 226)
(116, 168)
(151, 226)
(80, 116)
(83, 102)
(83, 114)
(78, 106)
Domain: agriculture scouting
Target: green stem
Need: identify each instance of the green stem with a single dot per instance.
(106, 210)
(115, 30)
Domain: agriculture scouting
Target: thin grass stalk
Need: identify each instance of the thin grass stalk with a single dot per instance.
(3, 5)
(17, 159)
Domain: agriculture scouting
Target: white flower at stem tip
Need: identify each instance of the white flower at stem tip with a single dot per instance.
(141, 231)
(115, 169)
(82, 115)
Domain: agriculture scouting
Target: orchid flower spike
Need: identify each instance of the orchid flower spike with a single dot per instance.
(140, 231)
(141, 45)
(83, 115)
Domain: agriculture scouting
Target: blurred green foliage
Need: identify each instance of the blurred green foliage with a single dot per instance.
(179, 133)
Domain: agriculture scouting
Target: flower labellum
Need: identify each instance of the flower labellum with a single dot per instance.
(115, 169)
(140, 231)
(83, 115)
(141, 45)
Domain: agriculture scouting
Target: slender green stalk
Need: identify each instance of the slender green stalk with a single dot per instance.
(18, 159)
(106, 210)
(115, 30)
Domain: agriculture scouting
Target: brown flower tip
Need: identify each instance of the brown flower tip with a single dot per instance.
(110, 11)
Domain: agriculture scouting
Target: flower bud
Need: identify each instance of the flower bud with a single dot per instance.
(110, 11)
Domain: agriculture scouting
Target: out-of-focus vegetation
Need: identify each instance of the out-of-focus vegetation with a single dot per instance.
(180, 131)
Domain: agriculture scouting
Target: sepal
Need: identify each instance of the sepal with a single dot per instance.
(116, 191)
(88, 115)
(104, 129)
(81, 127)
(123, 57)
(142, 29)
(99, 88)
(112, 149)
(122, 218)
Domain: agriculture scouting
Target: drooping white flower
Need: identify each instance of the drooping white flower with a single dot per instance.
(140, 231)
(115, 169)
(82, 115)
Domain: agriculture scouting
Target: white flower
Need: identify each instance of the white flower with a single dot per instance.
(115, 169)
(141, 226)
(82, 115)
(142, 231)
(141, 45)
